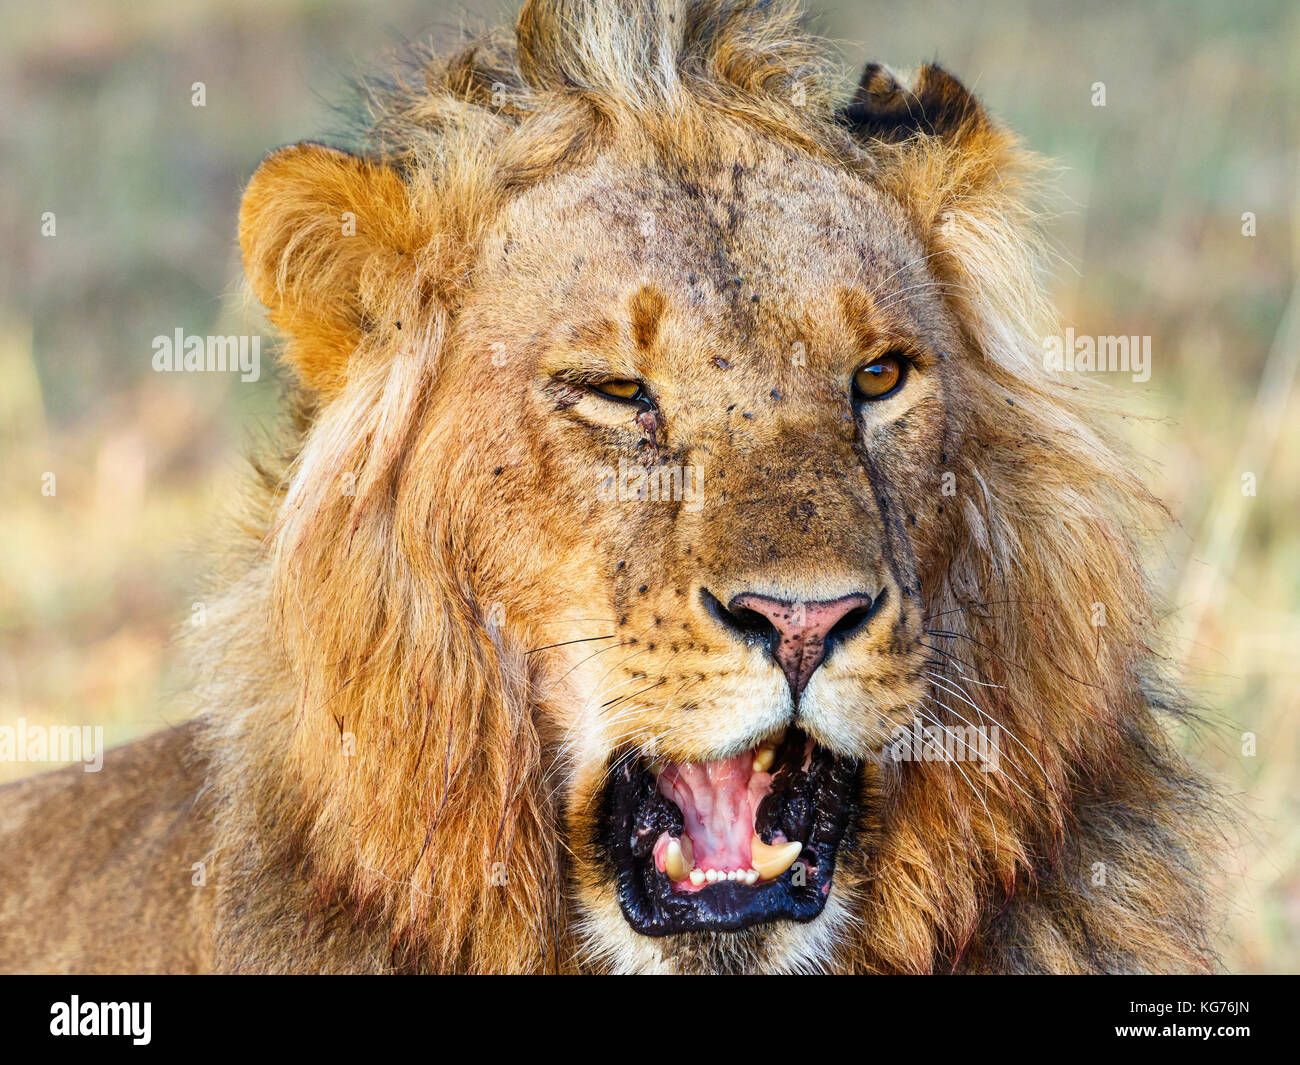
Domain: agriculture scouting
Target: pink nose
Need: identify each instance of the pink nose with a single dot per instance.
(801, 634)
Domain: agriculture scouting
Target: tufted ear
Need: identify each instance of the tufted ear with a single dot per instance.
(936, 104)
(322, 232)
(935, 147)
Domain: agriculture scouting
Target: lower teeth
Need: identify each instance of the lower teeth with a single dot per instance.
(700, 877)
(770, 861)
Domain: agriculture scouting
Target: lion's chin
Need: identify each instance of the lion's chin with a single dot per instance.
(720, 846)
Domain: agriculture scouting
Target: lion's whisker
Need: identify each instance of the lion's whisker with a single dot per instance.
(963, 636)
(979, 710)
(1009, 731)
(942, 286)
(969, 783)
(1001, 755)
(647, 688)
(566, 643)
(970, 606)
(913, 262)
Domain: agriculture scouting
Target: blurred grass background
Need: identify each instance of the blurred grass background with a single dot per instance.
(1200, 126)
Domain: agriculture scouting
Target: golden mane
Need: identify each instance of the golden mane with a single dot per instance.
(384, 753)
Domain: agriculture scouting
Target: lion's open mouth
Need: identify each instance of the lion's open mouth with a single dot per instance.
(718, 846)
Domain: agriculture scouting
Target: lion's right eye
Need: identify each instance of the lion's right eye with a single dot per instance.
(624, 391)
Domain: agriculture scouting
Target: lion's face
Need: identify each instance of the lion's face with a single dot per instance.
(658, 404)
(719, 404)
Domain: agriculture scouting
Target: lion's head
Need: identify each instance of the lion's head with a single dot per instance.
(673, 447)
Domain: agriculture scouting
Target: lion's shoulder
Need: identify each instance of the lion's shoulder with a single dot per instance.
(98, 869)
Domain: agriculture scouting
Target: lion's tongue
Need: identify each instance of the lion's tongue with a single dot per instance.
(718, 801)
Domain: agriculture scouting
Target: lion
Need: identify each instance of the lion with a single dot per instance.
(679, 559)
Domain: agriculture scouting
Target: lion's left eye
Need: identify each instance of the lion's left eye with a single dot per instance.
(627, 391)
(880, 378)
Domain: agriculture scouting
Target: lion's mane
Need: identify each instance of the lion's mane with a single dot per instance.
(375, 758)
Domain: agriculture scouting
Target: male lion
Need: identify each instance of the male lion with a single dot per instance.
(681, 562)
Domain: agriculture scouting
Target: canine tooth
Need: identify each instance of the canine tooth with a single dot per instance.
(765, 756)
(697, 877)
(751, 876)
(771, 861)
(675, 863)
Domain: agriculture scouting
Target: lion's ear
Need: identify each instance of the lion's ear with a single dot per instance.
(972, 189)
(317, 227)
(934, 145)
(935, 104)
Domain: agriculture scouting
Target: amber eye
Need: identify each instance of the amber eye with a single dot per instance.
(629, 391)
(881, 378)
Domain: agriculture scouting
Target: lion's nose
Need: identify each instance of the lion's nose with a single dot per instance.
(798, 635)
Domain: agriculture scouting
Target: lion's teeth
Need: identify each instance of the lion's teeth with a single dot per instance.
(700, 877)
(675, 863)
(771, 861)
(765, 755)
